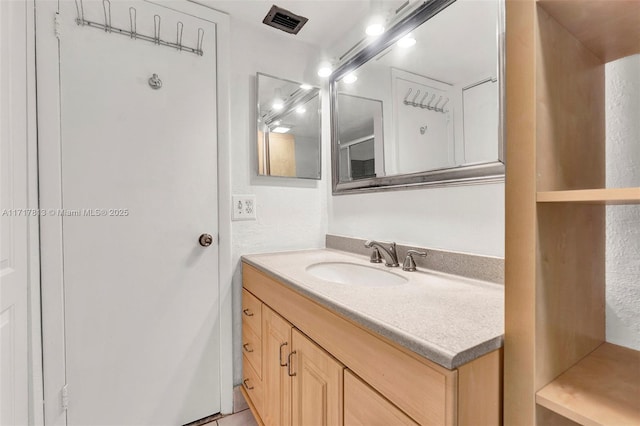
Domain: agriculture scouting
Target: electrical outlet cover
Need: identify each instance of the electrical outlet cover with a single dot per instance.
(243, 207)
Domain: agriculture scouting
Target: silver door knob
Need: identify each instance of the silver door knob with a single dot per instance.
(205, 240)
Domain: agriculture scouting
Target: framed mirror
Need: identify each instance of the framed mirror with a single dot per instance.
(288, 128)
(421, 105)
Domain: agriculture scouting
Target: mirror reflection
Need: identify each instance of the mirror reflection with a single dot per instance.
(288, 136)
(359, 137)
(427, 101)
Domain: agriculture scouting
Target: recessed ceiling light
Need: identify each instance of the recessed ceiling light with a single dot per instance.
(281, 129)
(306, 86)
(375, 29)
(350, 78)
(324, 71)
(406, 41)
(301, 110)
(277, 105)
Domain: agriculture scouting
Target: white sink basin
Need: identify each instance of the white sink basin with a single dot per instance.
(354, 274)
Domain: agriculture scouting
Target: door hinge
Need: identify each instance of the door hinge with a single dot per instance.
(56, 25)
(64, 393)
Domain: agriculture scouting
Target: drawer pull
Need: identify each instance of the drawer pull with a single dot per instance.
(281, 346)
(244, 382)
(246, 347)
(289, 364)
(247, 312)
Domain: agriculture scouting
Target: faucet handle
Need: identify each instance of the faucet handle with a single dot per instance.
(375, 256)
(409, 264)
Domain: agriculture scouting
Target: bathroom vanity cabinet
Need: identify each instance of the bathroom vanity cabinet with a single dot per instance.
(305, 364)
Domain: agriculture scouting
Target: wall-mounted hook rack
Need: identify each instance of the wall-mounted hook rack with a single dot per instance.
(428, 105)
(108, 27)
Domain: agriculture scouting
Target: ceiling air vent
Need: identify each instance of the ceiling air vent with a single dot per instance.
(284, 20)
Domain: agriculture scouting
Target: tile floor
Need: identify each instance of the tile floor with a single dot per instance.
(242, 418)
(241, 414)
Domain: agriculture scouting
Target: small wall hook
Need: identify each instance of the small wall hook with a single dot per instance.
(155, 82)
(413, 102)
(406, 102)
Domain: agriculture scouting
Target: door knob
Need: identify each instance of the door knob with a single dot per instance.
(205, 240)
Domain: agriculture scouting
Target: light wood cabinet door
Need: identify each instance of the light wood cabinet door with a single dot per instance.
(317, 384)
(363, 406)
(253, 386)
(276, 340)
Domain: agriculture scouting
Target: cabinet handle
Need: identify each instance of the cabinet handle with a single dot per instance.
(280, 354)
(246, 347)
(247, 312)
(289, 364)
(244, 382)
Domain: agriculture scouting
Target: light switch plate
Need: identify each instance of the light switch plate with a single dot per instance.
(244, 207)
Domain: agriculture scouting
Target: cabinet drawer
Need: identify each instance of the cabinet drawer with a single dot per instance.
(363, 406)
(252, 312)
(252, 348)
(253, 385)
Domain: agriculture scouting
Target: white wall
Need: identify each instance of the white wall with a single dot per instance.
(291, 213)
(458, 218)
(623, 222)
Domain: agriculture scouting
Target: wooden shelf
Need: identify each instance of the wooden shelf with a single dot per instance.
(608, 28)
(592, 196)
(601, 389)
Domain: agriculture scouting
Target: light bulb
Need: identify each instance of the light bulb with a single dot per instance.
(350, 78)
(406, 41)
(324, 71)
(375, 29)
(306, 86)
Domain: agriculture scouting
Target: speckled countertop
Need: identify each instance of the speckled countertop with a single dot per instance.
(448, 319)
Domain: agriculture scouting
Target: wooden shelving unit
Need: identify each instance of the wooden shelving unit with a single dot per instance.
(558, 369)
(603, 388)
(592, 196)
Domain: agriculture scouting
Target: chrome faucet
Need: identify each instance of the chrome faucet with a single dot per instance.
(389, 253)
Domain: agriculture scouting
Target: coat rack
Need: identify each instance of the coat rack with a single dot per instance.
(133, 33)
(428, 105)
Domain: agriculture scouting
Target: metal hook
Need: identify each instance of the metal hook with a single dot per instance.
(435, 107)
(156, 29)
(133, 13)
(106, 7)
(406, 102)
(429, 107)
(200, 41)
(179, 28)
(155, 82)
(421, 104)
(413, 102)
(443, 105)
(80, 13)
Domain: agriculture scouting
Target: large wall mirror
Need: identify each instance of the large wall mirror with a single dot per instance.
(422, 104)
(288, 137)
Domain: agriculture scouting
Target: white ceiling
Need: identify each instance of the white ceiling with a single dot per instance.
(329, 20)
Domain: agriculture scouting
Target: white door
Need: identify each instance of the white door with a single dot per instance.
(13, 219)
(140, 293)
